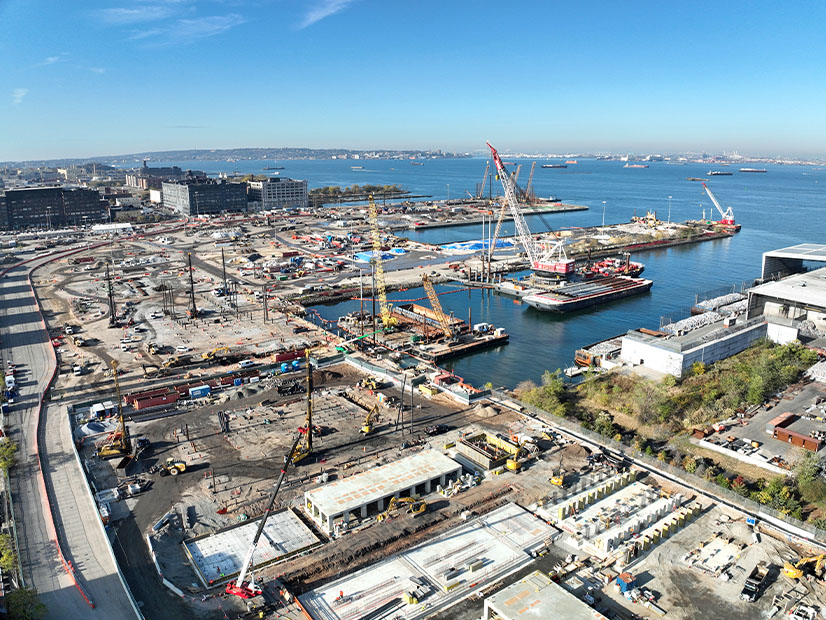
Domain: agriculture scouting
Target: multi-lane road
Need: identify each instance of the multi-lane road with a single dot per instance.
(46, 438)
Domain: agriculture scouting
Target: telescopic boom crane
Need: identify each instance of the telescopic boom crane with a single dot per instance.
(240, 586)
(727, 216)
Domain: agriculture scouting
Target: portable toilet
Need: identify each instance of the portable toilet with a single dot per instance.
(284, 366)
(626, 582)
(296, 364)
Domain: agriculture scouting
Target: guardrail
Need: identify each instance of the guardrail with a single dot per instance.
(788, 525)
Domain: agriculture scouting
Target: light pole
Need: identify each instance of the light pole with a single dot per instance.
(603, 217)
(669, 209)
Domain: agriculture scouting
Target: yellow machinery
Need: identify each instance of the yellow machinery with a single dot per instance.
(117, 444)
(367, 426)
(208, 355)
(369, 383)
(415, 506)
(305, 446)
(437, 307)
(558, 477)
(152, 348)
(386, 318)
(795, 571)
(172, 361)
(172, 467)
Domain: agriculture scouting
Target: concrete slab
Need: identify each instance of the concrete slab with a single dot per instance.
(499, 541)
(217, 557)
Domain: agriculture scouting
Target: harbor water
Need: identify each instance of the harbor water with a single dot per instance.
(784, 206)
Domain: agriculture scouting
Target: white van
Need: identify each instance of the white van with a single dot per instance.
(245, 363)
(77, 370)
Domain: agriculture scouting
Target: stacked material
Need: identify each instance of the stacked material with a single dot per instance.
(737, 308)
(607, 346)
(817, 372)
(692, 323)
(722, 300)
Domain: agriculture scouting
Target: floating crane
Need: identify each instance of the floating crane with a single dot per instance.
(727, 216)
(240, 586)
(544, 258)
(444, 322)
(387, 319)
(118, 444)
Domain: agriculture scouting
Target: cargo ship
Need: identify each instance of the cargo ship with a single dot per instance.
(635, 166)
(752, 170)
(554, 166)
(579, 295)
(719, 173)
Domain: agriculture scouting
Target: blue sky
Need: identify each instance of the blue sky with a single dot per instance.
(87, 78)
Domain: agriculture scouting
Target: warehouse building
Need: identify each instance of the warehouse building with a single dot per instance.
(536, 596)
(194, 197)
(334, 504)
(279, 193)
(789, 428)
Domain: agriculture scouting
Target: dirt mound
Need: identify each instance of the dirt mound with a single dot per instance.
(485, 411)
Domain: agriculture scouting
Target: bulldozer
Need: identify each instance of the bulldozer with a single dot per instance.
(171, 467)
(795, 571)
(415, 506)
(372, 415)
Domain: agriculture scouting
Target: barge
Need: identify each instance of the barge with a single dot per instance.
(578, 295)
(464, 344)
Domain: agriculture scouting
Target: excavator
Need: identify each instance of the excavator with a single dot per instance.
(367, 426)
(415, 505)
(208, 355)
(558, 477)
(795, 571)
(118, 443)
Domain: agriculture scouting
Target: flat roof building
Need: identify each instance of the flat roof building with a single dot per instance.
(48, 207)
(800, 298)
(786, 261)
(367, 493)
(536, 596)
(194, 197)
(279, 193)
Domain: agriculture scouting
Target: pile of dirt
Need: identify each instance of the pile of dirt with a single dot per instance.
(485, 411)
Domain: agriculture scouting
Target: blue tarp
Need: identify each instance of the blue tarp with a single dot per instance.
(365, 257)
(470, 246)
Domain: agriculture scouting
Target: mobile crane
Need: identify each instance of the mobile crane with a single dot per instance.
(118, 444)
(387, 319)
(547, 259)
(240, 586)
(300, 452)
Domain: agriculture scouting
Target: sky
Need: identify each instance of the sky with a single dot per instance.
(80, 79)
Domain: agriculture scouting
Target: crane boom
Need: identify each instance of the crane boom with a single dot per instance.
(727, 216)
(528, 195)
(386, 318)
(249, 589)
(543, 259)
(492, 247)
(437, 306)
(481, 191)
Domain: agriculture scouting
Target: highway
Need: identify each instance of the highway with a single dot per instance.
(24, 341)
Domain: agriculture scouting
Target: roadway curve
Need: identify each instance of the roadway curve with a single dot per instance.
(52, 504)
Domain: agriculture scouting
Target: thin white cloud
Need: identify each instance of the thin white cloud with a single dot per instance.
(17, 95)
(322, 9)
(50, 60)
(136, 15)
(98, 70)
(202, 27)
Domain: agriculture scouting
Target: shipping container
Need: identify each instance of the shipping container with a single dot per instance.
(200, 391)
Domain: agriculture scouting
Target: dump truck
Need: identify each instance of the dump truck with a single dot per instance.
(754, 583)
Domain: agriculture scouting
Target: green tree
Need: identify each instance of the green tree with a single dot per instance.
(689, 464)
(8, 449)
(8, 557)
(24, 604)
(662, 456)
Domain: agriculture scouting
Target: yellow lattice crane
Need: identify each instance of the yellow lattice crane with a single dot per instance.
(118, 444)
(304, 447)
(387, 319)
(437, 306)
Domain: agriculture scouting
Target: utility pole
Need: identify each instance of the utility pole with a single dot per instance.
(264, 297)
(373, 295)
(361, 298)
(224, 270)
(193, 309)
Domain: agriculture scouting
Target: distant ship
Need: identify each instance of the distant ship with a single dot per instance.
(635, 166)
(357, 167)
(554, 166)
(718, 173)
(752, 169)
(417, 163)
(571, 161)
(274, 168)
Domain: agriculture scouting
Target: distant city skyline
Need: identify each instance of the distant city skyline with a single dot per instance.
(102, 77)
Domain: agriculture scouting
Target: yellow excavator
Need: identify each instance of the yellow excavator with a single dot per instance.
(558, 477)
(795, 571)
(118, 443)
(208, 355)
(367, 426)
(415, 506)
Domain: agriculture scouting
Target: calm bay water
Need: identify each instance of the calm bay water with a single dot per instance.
(785, 206)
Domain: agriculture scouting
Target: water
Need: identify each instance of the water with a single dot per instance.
(785, 206)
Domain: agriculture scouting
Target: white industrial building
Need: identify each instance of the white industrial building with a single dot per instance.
(536, 596)
(279, 193)
(333, 504)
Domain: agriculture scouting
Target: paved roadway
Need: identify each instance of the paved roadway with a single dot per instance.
(23, 340)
